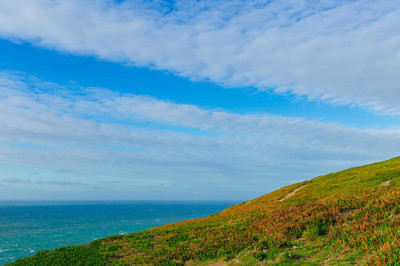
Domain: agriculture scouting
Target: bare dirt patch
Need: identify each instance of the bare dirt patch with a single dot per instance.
(292, 193)
(386, 183)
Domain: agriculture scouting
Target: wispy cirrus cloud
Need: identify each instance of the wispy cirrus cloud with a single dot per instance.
(95, 136)
(13, 180)
(344, 52)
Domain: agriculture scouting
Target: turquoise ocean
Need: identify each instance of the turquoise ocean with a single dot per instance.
(27, 227)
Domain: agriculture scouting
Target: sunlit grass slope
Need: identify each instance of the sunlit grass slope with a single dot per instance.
(347, 217)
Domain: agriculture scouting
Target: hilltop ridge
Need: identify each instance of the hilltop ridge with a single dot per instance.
(351, 216)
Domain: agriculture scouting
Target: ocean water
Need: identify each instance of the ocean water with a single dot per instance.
(26, 228)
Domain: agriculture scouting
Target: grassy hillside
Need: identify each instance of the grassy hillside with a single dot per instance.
(345, 217)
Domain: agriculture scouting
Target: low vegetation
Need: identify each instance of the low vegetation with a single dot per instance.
(339, 218)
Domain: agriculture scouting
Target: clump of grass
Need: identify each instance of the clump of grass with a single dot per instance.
(311, 234)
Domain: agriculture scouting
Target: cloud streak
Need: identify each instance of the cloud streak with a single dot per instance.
(343, 52)
(13, 180)
(94, 136)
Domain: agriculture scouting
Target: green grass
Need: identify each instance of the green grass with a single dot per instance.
(340, 218)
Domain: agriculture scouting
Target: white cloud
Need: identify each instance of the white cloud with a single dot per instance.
(94, 135)
(345, 52)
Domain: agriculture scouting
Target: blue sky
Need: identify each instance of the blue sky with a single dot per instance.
(192, 99)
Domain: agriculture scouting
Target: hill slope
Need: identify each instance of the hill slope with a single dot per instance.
(345, 217)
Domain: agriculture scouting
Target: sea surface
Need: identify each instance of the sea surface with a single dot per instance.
(26, 228)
